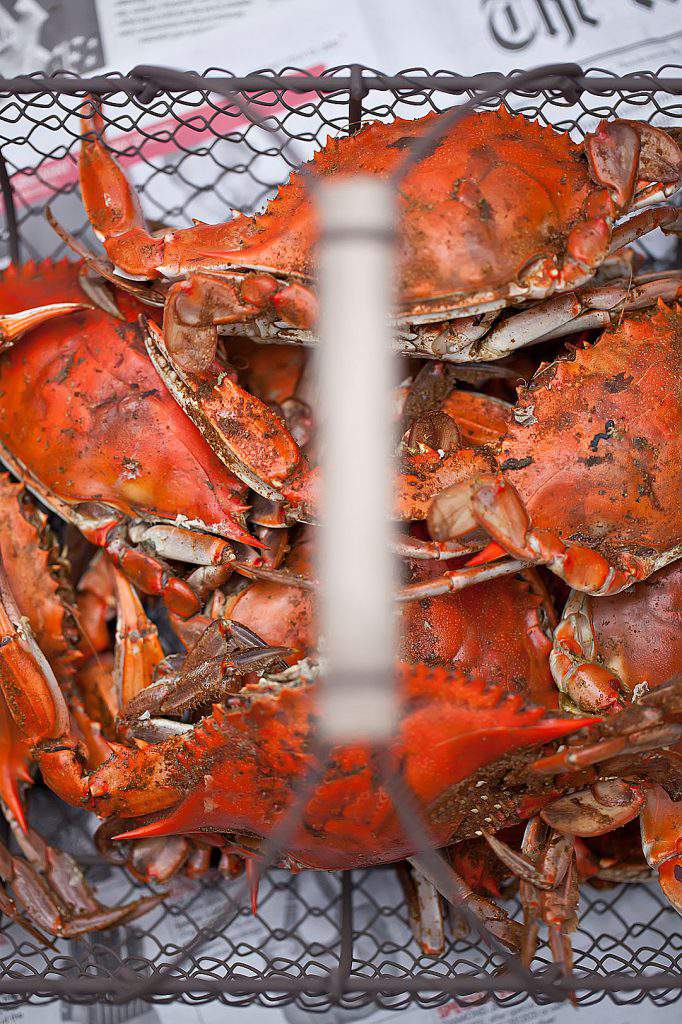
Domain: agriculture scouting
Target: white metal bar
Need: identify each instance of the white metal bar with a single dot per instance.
(356, 376)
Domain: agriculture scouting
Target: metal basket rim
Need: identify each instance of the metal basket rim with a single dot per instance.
(142, 84)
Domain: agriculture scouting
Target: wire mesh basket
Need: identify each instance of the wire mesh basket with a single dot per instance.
(317, 939)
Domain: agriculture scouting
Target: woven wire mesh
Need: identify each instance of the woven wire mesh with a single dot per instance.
(297, 933)
(317, 939)
(194, 155)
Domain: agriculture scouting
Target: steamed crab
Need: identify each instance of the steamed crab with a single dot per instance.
(602, 660)
(478, 233)
(133, 473)
(585, 481)
(43, 887)
(228, 778)
(107, 448)
(210, 776)
(235, 770)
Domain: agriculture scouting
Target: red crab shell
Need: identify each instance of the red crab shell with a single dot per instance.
(497, 194)
(604, 648)
(499, 630)
(237, 770)
(595, 439)
(86, 416)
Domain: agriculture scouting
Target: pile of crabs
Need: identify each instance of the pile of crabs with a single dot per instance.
(159, 656)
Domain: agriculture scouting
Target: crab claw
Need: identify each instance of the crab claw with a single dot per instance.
(113, 206)
(424, 909)
(15, 761)
(138, 649)
(594, 811)
(490, 502)
(623, 154)
(245, 434)
(50, 893)
(210, 672)
(661, 825)
(35, 702)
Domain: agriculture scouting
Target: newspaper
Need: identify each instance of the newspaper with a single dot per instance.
(247, 933)
(460, 35)
(296, 929)
(251, 942)
(467, 36)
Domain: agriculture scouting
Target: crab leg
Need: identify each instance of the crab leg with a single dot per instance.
(197, 305)
(14, 325)
(458, 579)
(424, 909)
(245, 433)
(210, 673)
(448, 583)
(431, 550)
(560, 912)
(661, 825)
(14, 763)
(149, 573)
(494, 504)
(637, 728)
(138, 650)
(543, 875)
(555, 901)
(668, 218)
(172, 542)
(609, 869)
(114, 210)
(36, 703)
(626, 156)
(494, 918)
(50, 889)
(548, 888)
(587, 308)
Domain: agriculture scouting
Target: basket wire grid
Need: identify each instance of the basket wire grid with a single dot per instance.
(318, 939)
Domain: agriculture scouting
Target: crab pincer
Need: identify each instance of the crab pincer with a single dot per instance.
(586, 480)
(477, 233)
(133, 474)
(603, 660)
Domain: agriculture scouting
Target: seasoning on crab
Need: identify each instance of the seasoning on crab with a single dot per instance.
(587, 478)
(106, 447)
